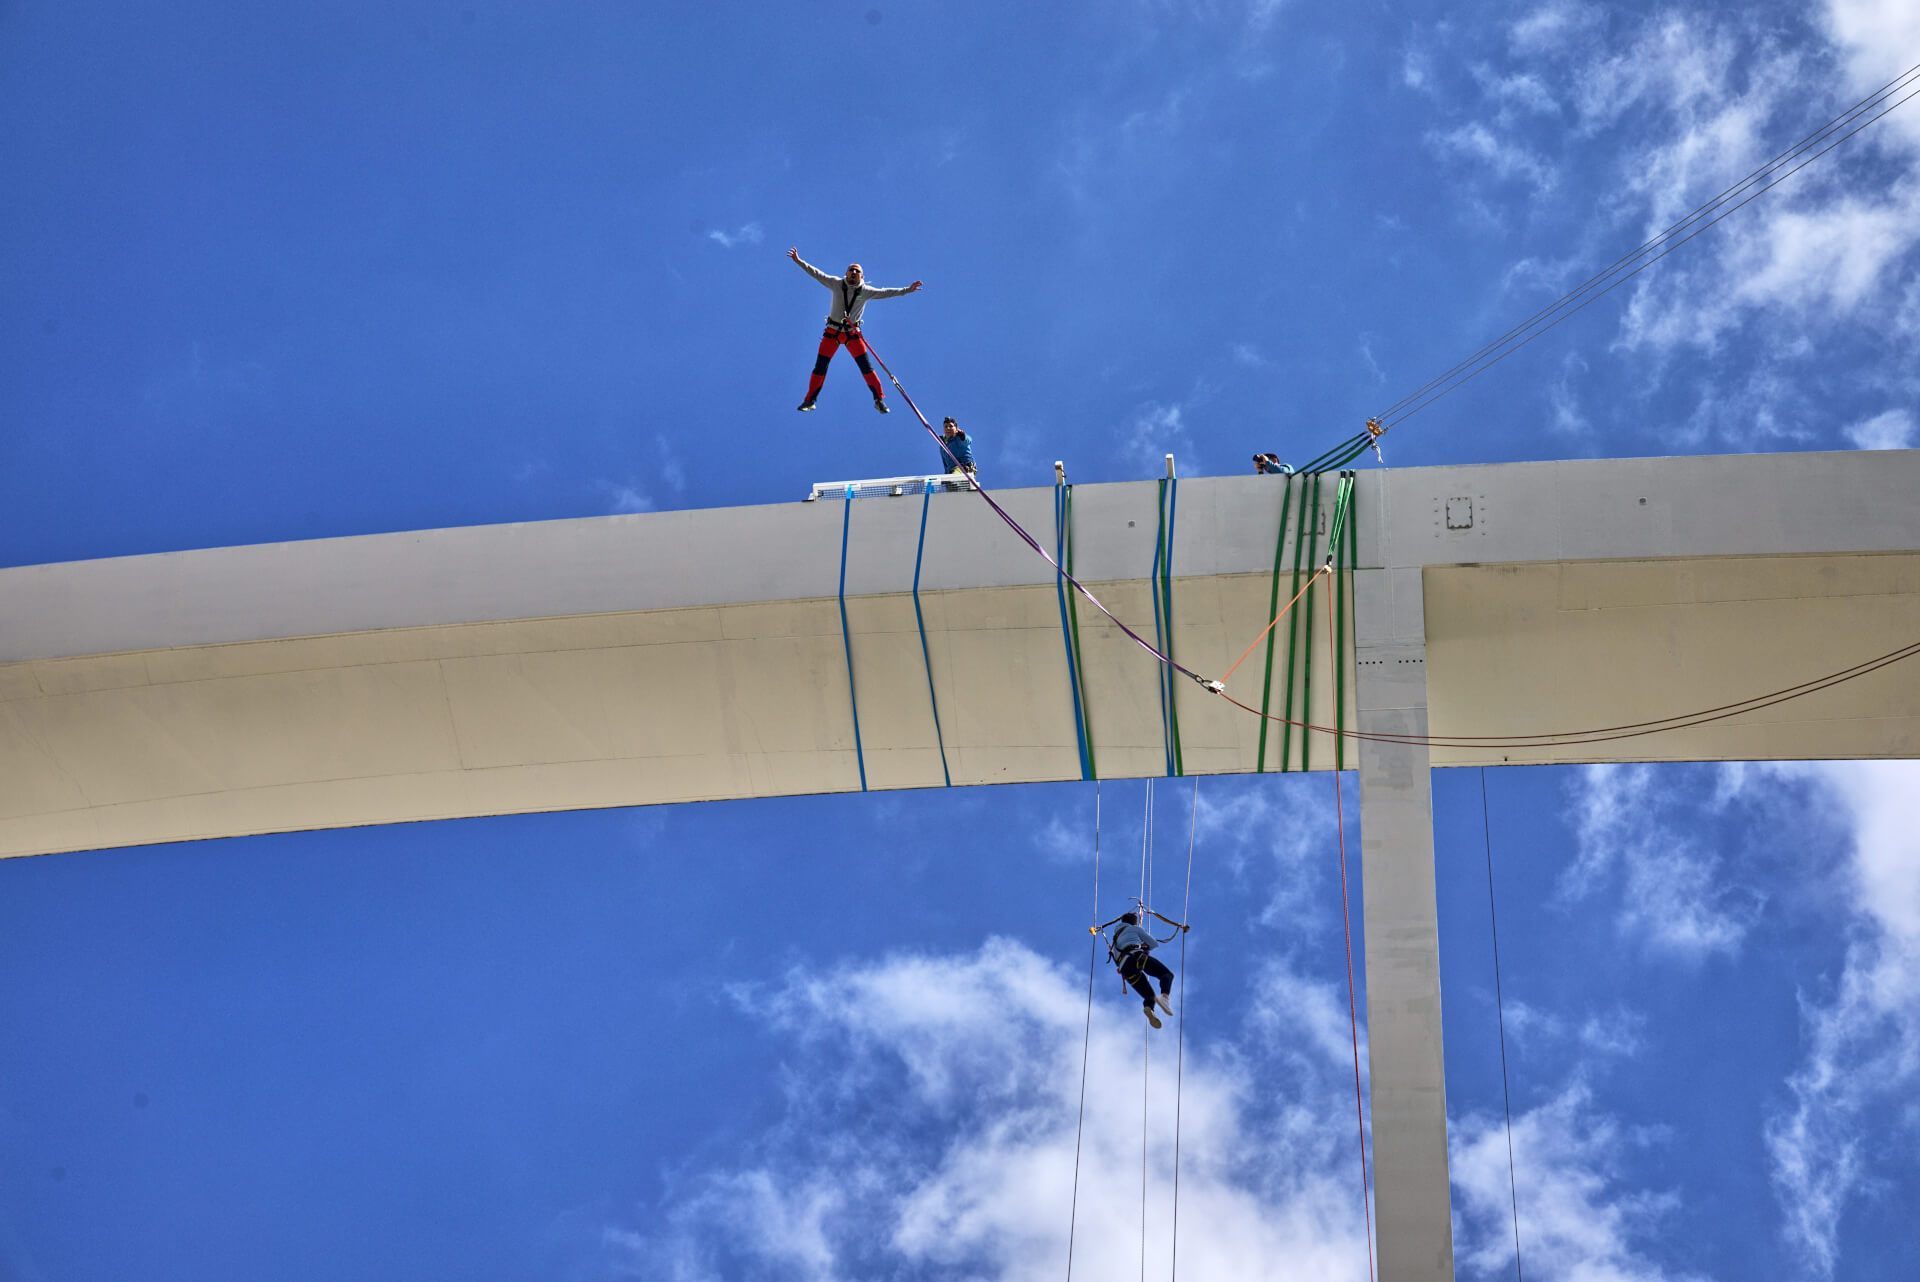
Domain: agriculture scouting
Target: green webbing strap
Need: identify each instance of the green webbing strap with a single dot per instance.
(1293, 628)
(1342, 537)
(1080, 663)
(1339, 456)
(1066, 632)
(1306, 615)
(1273, 608)
(1350, 661)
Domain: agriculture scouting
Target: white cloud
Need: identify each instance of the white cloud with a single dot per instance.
(1861, 1038)
(1569, 419)
(1893, 430)
(934, 1124)
(624, 497)
(1702, 106)
(1249, 355)
(1877, 40)
(746, 234)
(1157, 430)
(1672, 897)
(1575, 1221)
(671, 470)
(1266, 837)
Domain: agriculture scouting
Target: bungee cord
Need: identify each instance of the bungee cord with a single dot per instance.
(1608, 734)
(1539, 739)
(1034, 543)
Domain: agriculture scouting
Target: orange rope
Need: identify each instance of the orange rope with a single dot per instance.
(1228, 675)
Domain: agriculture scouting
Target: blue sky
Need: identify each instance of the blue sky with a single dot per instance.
(292, 271)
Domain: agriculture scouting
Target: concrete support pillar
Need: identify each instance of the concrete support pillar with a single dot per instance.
(1413, 1203)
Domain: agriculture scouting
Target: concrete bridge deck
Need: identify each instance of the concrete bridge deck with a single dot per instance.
(701, 655)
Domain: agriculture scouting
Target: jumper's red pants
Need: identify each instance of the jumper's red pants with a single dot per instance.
(829, 344)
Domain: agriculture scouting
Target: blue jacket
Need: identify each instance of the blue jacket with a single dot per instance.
(961, 448)
(1132, 937)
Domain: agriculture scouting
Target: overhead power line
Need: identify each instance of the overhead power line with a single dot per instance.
(1894, 93)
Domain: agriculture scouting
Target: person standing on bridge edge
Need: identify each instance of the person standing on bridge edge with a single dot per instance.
(850, 296)
(956, 453)
(1132, 950)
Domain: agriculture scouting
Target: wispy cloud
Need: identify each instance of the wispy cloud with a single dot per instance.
(1507, 159)
(625, 497)
(1156, 431)
(745, 234)
(1576, 1220)
(1554, 26)
(1861, 1034)
(671, 470)
(1673, 898)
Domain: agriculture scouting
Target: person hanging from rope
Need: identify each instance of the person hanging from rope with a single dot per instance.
(1131, 949)
(956, 453)
(850, 297)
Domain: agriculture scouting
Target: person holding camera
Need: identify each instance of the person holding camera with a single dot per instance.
(956, 451)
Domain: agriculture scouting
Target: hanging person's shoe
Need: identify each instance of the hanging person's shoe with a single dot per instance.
(1151, 1017)
(1165, 1005)
(880, 404)
(804, 406)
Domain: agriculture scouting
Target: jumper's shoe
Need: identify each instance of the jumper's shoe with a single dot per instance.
(804, 406)
(1164, 1004)
(881, 405)
(1152, 1018)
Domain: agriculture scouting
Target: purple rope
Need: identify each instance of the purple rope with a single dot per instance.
(1034, 543)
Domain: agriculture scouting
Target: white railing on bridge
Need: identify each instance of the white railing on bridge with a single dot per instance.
(890, 486)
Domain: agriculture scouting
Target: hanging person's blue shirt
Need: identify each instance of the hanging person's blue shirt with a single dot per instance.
(962, 450)
(1132, 937)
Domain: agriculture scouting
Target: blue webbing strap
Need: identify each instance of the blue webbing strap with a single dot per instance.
(926, 494)
(1166, 586)
(1066, 635)
(846, 636)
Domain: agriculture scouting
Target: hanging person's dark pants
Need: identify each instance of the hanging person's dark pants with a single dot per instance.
(1137, 965)
(829, 344)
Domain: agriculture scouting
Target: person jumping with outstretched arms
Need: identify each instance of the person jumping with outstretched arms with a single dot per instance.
(1132, 951)
(850, 296)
